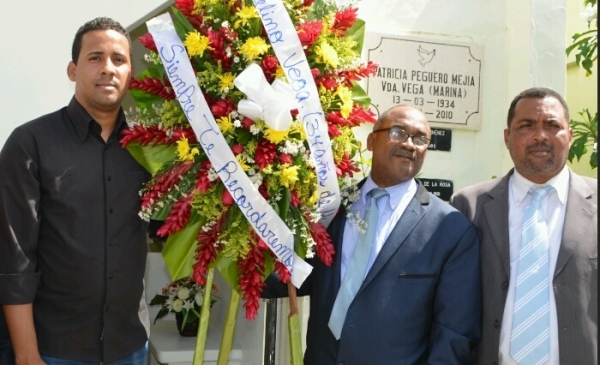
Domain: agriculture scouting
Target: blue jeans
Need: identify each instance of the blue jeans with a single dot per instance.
(139, 357)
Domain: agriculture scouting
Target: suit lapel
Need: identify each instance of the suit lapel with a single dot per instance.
(412, 215)
(578, 216)
(496, 216)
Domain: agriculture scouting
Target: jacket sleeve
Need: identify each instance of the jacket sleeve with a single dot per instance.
(457, 307)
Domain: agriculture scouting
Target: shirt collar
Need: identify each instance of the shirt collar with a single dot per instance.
(83, 121)
(396, 192)
(521, 186)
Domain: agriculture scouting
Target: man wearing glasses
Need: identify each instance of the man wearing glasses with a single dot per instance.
(405, 287)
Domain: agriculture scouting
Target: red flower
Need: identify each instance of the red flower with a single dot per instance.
(323, 248)
(148, 42)
(178, 217)
(263, 189)
(222, 108)
(343, 20)
(282, 272)
(227, 198)
(346, 166)
(285, 158)
(202, 181)
(295, 201)
(328, 82)
(265, 153)
(247, 123)
(333, 130)
(237, 149)
(217, 49)
(207, 250)
(269, 66)
(309, 32)
(154, 86)
(187, 7)
(251, 269)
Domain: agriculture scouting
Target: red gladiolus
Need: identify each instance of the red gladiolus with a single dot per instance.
(346, 166)
(202, 181)
(148, 42)
(265, 154)
(207, 250)
(187, 7)
(343, 20)
(309, 32)
(153, 86)
(282, 272)
(251, 284)
(323, 248)
(178, 217)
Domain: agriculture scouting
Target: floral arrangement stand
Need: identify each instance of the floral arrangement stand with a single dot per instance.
(244, 118)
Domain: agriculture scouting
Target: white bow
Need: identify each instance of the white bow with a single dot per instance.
(271, 103)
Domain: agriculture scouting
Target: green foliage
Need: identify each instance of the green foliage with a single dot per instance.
(586, 44)
(585, 134)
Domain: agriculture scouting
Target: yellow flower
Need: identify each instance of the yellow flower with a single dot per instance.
(345, 96)
(244, 14)
(196, 44)
(242, 161)
(184, 151)
(225, 124)
(279, 73)
(275, 136)
(254, 47)
(297, 127)
(289, 175)
(327, 54)
(226, 81)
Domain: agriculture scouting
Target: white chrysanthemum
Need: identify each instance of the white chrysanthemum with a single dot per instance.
(212, 174)
(183, 293)
(177, 305)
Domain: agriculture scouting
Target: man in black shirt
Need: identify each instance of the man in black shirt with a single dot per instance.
(72, 247)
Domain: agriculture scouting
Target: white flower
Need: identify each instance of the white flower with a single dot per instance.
(590, 13)
(188, 305)
(177, 305)
(199, 298)
(183, 293)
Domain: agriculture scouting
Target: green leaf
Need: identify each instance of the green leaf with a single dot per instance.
(181, 23)
(143, 99)
(284, 203)
(180, 248)
(159, 299)
(594, 160)
(161, 313)
(229, 270)
(152, 157)
(357, 32)
(359, 95)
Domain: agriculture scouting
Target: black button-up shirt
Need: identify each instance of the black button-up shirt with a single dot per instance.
(71, 240)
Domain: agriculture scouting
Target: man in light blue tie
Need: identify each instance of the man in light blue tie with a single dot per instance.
(404, 287)
(539, 238)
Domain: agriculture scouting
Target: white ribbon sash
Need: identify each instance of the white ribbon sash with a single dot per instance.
(265, 221)
(288, 49)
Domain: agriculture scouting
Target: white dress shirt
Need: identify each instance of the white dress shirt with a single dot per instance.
(554, 206)
(390, 210)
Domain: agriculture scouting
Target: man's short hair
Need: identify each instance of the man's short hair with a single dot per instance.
(536, 93)
(100, 23)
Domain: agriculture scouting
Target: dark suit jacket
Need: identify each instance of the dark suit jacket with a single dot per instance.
(420, 302)
(575, 279)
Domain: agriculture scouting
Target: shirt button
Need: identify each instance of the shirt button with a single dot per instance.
(505, 285)
(110, 276)
(107, 308)
(111, 243)
(110, 178)
(496, 324)
(110, 210)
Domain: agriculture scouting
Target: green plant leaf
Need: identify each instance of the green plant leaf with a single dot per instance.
(360, 96)
(161, 313)
(357, 32)
(159, 299)
(229, 271)
(181, 23)
(152, 157)
(180, 248)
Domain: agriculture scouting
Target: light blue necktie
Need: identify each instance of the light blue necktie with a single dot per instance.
(530, 336)
(357, 268)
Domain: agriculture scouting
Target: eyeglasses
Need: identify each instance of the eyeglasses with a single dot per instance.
(397, 134)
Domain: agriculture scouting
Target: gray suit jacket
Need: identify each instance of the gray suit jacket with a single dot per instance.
(575, 279)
